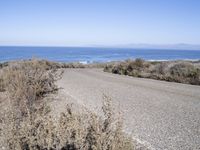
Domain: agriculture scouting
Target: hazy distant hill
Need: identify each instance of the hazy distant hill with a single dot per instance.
(182, 46)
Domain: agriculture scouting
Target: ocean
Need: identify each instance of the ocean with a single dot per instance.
(92, 54)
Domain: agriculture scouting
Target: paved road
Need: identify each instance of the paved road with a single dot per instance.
(162, 114)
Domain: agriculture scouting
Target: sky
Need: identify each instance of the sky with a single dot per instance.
(99, 22)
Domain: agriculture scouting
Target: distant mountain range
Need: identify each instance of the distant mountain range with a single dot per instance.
(180, 46)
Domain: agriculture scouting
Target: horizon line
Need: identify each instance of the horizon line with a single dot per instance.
(133, 45)
(106, 47)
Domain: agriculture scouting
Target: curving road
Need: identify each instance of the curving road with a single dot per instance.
(160, 114)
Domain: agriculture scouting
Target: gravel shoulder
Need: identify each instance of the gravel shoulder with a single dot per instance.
(159, 114)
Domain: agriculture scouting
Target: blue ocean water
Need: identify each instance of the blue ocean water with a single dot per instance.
(89, 54)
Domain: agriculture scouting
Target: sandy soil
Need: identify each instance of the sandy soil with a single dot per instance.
(159, 114)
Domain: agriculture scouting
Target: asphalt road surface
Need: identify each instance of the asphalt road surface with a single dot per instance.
(162, 115)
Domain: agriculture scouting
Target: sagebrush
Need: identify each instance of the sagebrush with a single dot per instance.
(174, 71)
(29, 125)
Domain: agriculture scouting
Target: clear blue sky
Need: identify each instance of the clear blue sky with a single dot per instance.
(99, 22)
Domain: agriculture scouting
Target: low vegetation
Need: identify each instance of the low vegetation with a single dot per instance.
(27, 123)
(2, 86)
(173, 71)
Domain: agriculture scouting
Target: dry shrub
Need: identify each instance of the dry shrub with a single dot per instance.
(137, 64)
(183, 72)
(129, 67)
(120, 69)
(83, 130)
(160, 68)
(2, 85)
(27, 82)
(182, 69)
(4, 64)
(73, 65)
(29, 126)
(97, 64)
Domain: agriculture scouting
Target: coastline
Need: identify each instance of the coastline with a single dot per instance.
(94, 54)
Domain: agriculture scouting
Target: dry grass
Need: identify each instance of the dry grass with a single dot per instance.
(4, 64)
(2, 85)
(28, 125)
(128, 67)
(58, 65)
(174, 71)
(27, 82)
(73, 65)
(73, 131)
